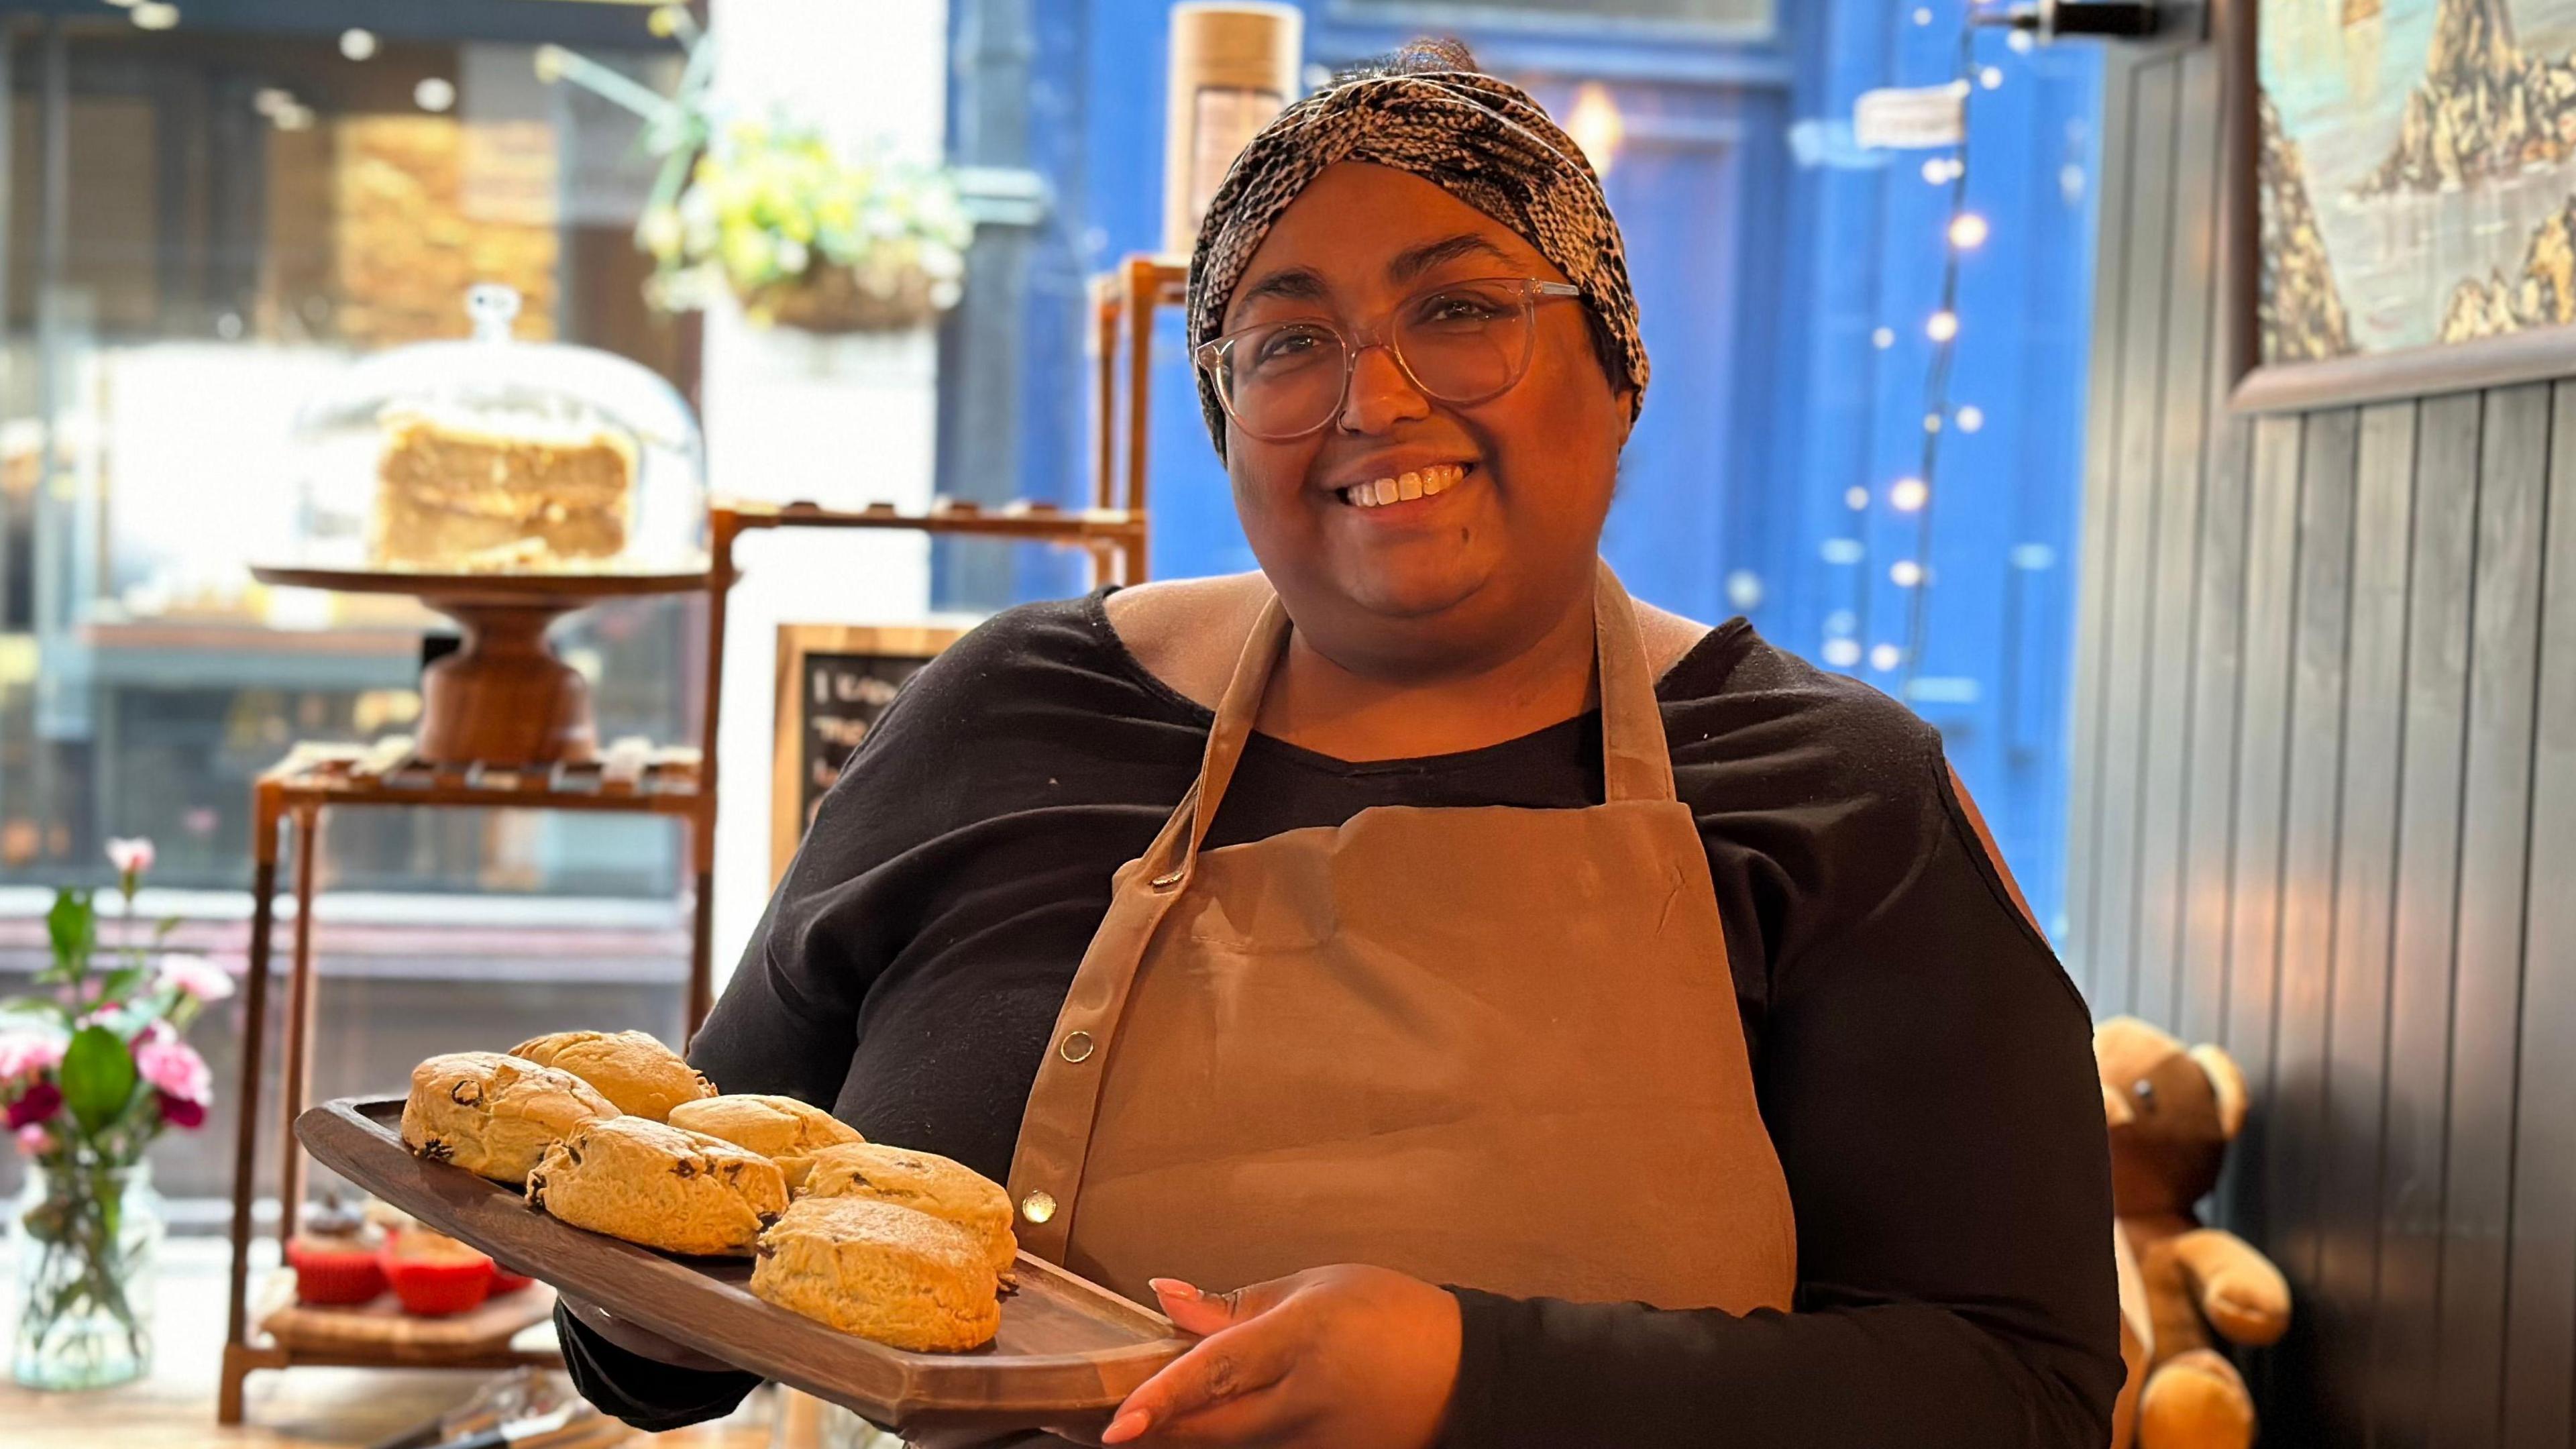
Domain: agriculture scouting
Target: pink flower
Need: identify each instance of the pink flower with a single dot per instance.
(175, 1068)
(24, 1054)
(181, 1113)
(155, 1030)
(196, 976)
(35, 1141)
(38, 1105)
(130, 857)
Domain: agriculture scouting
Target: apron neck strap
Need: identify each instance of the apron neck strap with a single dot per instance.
(1636, 763)
(1170, 855)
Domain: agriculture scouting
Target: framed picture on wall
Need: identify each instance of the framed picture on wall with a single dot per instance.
(2407, 222)
(834, 683)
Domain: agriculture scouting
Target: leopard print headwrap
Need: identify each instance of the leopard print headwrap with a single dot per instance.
(1481, 140)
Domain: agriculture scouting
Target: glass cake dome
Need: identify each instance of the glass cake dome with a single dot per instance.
(493, 456)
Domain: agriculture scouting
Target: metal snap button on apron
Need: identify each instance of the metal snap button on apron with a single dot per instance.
(1075, 1047)
(1038, 1206)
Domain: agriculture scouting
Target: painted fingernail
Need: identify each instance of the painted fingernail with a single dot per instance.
(1173, 1288)
(1125, 1427)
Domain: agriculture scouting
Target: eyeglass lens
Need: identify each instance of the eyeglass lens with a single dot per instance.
(1462, 343)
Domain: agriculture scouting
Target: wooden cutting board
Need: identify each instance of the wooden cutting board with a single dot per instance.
(1067, 1353)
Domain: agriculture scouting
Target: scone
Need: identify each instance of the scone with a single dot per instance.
(925, 1182)
(782, 1129)
(651, 1183)
(493, 1114)
(880, 1271)
(642, 1076)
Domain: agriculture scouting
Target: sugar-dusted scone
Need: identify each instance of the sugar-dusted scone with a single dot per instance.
(782, 1129)
(651, 1183)
(925, 1182)
(880, 1271)
(642, 1076)
(493, 1114)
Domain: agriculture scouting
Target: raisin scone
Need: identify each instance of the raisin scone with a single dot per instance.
(651, 1183)
(492, 1114)
(631, 1068)
(879, 1271)
(925, 1182)
(782, 1129)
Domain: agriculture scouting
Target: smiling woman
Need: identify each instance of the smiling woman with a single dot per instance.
(1491, 1010)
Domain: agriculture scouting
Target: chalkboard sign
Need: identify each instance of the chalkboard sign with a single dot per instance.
(834, 683)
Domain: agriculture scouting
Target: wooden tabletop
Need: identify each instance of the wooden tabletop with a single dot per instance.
(311, 1408)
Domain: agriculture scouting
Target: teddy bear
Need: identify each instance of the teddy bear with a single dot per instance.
(2172, 1110)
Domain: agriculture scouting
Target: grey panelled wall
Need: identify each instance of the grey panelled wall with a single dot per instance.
(2325, 813)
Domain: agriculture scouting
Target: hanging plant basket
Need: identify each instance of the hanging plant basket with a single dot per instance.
(807, 238)
(831, 299)
(803, 233)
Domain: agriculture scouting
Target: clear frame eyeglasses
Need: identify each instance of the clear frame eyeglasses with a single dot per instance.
(1457, 342)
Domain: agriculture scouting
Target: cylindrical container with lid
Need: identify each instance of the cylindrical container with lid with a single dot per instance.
(1234, 65)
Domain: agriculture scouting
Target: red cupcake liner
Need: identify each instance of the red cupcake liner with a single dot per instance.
(329, 1274)
(435, 1286)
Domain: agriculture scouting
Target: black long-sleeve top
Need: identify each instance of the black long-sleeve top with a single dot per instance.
(1923, 1064)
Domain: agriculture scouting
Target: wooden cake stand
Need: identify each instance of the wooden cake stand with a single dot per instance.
(504, 698)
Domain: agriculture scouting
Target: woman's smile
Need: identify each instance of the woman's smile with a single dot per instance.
(1398, 497)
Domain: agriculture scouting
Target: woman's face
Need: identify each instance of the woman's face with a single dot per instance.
(1469, 575)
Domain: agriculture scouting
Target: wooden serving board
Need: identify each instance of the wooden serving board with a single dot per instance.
(1068, 1351)
(381, 1323)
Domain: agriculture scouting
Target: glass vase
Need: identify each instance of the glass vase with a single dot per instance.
(84, 1238)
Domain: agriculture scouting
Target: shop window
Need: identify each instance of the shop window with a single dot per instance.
(227, 221)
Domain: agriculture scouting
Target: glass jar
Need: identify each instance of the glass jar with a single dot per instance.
(84, 1239)
(495, 456)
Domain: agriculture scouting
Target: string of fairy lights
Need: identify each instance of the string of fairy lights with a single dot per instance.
(1963, 232)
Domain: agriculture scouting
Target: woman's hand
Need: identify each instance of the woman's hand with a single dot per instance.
(1352, 1357)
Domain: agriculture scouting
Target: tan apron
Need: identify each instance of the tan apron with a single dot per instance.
(1493, 1047)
